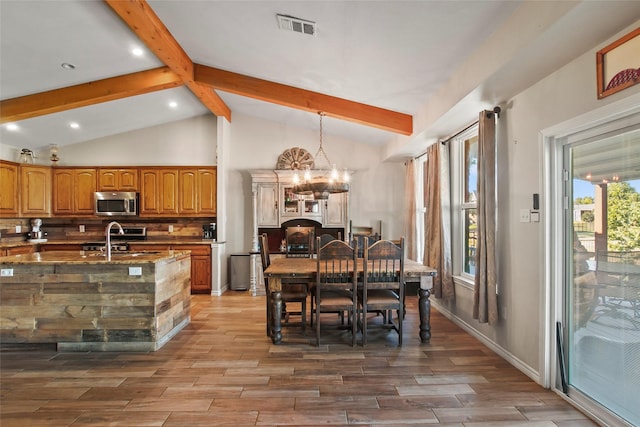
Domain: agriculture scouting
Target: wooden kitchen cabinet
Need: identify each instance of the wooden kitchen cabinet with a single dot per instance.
(158, 192)
(60, 247)
(197, 191)
(200, 262)
(73, 191)
(19, 250)
(118, 179)
(200, 267)
(35, 191)
(9, 200)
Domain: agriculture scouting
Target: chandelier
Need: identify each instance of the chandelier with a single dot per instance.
(322, 181)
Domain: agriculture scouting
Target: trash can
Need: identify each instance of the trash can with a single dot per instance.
(239, 268)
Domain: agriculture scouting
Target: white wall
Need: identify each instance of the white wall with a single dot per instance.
(566, 93)
(180, 143)
(376, 187)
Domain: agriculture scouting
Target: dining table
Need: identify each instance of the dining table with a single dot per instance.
(305, 270)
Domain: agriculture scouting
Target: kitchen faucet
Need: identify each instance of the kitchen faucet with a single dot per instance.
(108, 233)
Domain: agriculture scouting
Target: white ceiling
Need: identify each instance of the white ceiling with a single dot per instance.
(389, 54)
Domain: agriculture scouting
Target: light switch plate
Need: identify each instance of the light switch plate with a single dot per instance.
(525, 216)
(81, 228)
(171, 229)
(18, 229)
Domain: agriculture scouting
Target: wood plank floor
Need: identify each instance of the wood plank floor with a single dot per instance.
(222, 370)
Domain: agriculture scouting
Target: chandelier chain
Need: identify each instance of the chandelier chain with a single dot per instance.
(321, 149)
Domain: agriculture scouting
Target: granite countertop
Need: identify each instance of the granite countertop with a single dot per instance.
(87, 257)
(154, 241)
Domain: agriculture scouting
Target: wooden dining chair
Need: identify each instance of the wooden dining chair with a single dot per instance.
(299, 241)
(323, 239)
(292, 293)
(336, 284)
(382, 290)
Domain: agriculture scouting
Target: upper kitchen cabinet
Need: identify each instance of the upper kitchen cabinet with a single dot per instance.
(118, 179)
(9, 201)
(73, 191)
(35, 191)
(158, 192)
(197, 195)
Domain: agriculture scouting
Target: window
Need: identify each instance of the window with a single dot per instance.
(464, 200)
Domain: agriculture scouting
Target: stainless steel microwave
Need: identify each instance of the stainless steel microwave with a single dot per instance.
(116, 203)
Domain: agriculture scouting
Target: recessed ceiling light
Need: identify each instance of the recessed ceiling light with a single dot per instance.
(136, 51)
(68, 66)
(74, 125)
(12, 127)
(173, 104)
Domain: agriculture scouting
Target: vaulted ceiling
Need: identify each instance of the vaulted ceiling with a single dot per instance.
(372, 66)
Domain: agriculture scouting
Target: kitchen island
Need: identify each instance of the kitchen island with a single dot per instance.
(83, 302)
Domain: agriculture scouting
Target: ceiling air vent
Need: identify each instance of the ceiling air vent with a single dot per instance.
(297, 25)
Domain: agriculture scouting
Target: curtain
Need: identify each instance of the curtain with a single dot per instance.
(485, 299)
(437, 247)
(410, 205)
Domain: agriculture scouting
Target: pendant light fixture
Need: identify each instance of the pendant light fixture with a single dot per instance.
(322, 181)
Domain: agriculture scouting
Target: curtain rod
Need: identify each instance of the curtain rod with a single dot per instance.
(496, 110)
(449, 138)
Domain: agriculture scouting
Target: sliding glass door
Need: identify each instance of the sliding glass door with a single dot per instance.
(602, 271)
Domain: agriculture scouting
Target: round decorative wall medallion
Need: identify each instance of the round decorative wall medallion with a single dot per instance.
(295, 159)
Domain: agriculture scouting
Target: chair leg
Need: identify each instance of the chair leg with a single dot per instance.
(354, 325)
(303, 314)
(364, 325)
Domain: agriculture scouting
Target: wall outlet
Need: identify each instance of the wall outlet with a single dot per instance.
(525, 215)
(18, 229)
(81, 228)
(171, 229)
(6, 272)
(135, 271)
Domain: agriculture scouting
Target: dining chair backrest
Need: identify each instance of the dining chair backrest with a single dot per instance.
(384, 265)
(336, 263)
(299, 241)
(323, 239)
(264, 251)
(365, 241)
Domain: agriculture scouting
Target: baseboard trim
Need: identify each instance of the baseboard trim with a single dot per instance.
(506, 355)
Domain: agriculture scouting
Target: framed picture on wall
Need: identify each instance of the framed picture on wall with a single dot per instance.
(618, 64)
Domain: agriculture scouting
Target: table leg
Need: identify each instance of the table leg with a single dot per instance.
(276, 317)
(424, 306)
(268, 304)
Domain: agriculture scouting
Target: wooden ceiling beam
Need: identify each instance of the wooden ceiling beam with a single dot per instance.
(85, 94)
(302, 99)
(143, 21)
